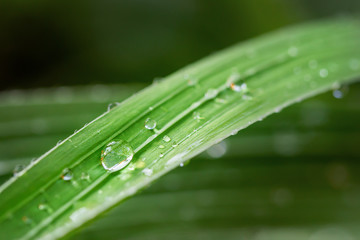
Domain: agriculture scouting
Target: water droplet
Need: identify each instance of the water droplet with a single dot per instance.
(161, 155)
(191, 80)
(354, 64)
(112, 105)
(150, 124)
(166, 138)
(234, 77)
(147, 171)
(340, 92)
(313, 64)
(161, 146)
(116, 155)
(44, 207)
(323, 73)
(197, 116)
(174, 145)
(67, 174)
(140, 164)
(211, 93)
(151, 108)
(18, 170)
(293, 51)
(85, 176)
(181, 164)
(217, 150)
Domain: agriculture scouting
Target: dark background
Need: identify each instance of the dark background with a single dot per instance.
(55, 43)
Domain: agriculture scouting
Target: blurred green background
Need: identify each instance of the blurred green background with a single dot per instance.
(54, 43)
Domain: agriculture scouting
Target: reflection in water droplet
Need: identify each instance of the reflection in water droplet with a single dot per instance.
(67, 174)
(116, 155)
(211, 93)
(112, 105)
(166, 138)
(147, 171)
(150, 124)
(18, 170)
(217, 150)
(323, 73)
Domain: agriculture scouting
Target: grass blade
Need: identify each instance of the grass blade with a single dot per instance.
(226, 92)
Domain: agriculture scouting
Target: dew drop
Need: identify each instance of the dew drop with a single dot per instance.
(44, 207)
(166, 138)
(112, 105)
(217, 150)
(211, 93)
(354, 64)
(148, 172)
(161, 146)
(323, 73)
(293, 51)
(85, 176)
(140, 164)
(313, 64)
(18, 170)
(161, 155)
(340, 92)
(116, 155)
(67, 174)
(150, 124)
(181, 164)
(197, 116)
(174, 145)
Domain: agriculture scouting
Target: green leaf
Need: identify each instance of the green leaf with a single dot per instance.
(195, 108)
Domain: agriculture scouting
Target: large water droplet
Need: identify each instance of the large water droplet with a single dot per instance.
(116, 155)
(150, 124)
(67, 174)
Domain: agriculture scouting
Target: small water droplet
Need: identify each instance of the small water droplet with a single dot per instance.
(340, 91)
(354, 64)
(323, 73)
(313, 64)
(161, 146)
(211, 93)
(293, 51)
(150, 124)
(67, 174)
(140, 164)
(147, 171)
(44, 207)
(116, 155)
(151, 108)
(217, 150)
(174, 145)
(197, 116)
(112, 105)
(18, 170)
(85, 176)
(181, 164)
(166, 138)
(161, 155)
(191, 80)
